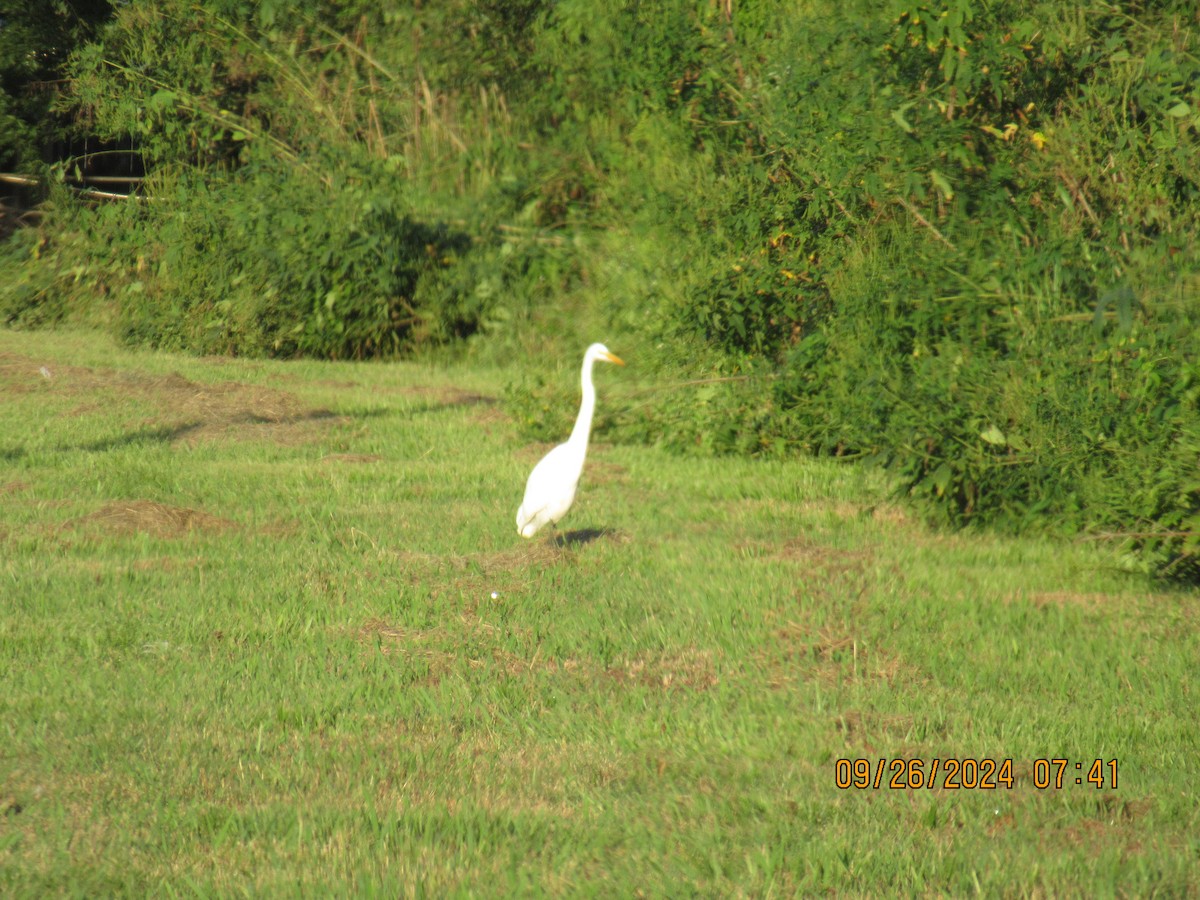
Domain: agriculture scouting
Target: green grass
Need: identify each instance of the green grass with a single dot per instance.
(249, 645)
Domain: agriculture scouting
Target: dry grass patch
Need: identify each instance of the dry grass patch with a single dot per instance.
(81, 797)
(530, 454)
(155, 519)
(431, 398)
(440, 649)
(475, 644)
(488, 416)
(829, 560)
(351, 458)
(542, 778)
(693, 669)
(820, 559)
(801, 653)
(475, 577)
(240, 411)
(195, 411)
(537, 552)
(21, 374)
(891, 515)
(1115, 824)
(839, 509)
(856, 725)
(472, 644)
(515, 569)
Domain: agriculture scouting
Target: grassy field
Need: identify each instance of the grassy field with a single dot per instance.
(268, 628)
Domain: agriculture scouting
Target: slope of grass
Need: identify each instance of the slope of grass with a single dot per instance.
(267, 627)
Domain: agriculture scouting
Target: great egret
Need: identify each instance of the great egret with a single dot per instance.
(550, 490)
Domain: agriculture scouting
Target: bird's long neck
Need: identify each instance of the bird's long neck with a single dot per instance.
(583, 424)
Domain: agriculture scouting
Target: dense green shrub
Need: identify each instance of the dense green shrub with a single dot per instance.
(959, 242)
(282, 219)
(272, 264)
(1001, 206)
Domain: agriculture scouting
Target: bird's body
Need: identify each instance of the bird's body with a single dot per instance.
(550, 490)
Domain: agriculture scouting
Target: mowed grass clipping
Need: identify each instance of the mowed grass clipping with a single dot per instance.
(269, 628)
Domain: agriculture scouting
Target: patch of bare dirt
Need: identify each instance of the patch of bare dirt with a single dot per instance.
(157, 519)
(14, 487)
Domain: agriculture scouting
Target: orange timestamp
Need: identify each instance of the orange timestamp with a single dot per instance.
(968, 773)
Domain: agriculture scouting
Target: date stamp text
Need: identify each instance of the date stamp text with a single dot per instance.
(969, 774)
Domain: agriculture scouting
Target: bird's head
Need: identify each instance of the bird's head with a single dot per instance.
(598, 352)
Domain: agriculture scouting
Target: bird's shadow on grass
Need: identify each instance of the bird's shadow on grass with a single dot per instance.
(581, 536)
(456, 401)
(157, 435)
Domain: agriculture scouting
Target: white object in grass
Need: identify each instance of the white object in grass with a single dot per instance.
(550, 490)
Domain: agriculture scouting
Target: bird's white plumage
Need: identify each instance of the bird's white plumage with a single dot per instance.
(550, 490)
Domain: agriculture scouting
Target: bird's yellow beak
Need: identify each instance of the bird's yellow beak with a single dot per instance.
(613, 358)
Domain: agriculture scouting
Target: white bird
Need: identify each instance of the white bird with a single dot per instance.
(550, 490)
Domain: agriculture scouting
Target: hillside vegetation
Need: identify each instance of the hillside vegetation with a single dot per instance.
(957, 240)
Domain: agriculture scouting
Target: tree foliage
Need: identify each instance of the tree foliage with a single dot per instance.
(36, 38)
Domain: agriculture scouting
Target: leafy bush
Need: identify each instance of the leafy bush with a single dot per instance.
(271, 264)
(1007, 253)
(954, 241)
(282, 221)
